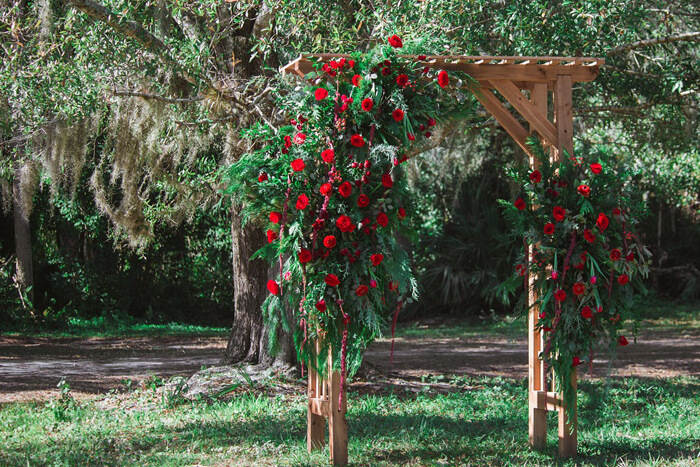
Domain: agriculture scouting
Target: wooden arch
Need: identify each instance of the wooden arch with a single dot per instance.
(540, 78)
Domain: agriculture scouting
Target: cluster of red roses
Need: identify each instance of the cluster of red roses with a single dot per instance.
(584, 255)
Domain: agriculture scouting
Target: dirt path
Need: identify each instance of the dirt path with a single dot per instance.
(30, 368)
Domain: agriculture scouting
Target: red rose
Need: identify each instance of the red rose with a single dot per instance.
(382, 219)
(329, 241)
(630, 256)
(622, 341)
(302, 202)
(325, 189)
(273, 287)
(520, 204)
(387, 181)
(395, 41)
(262, 177)
(363, 201)
(367, 104)
(560, 295)
(397, 114)
(356, 80)
(321, 305)
(345, 189)
(332, 280)
(579, 288)
(616, 211)
(275, 217)
(305, 256)
(588, 235)
(271, 236)
(386, 71)
(615, 254)
(401, 214)
(559, 213)
(287, 142)
(361, 290)
(376, 259)
(328, 156)
(602, 221)
(576, 361)
(586, 312)
(443, 79)
(357, 141)
(345, 224)
(596, 168)
(402, 80)
(321, 94)
(431, 121)
(549, 228)
(584, 190)
(536, 176)
(411, 137)
(298, 165)
(622, 279)
(299, 138)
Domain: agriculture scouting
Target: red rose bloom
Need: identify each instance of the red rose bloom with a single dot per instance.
(402, 80)
(575, 361)
(345, 224)
(630, 256)
(588, 235)
(596, 168)
(411, 137)
(579, 288)
(321, 305)
(559, 213)
(622, 341)
(328, 156)
(345, 189)
(321, 94)
(560, 295)
(299, 138)
(520, 204)
(367, 104)
(302, 201)
(361, 290)
(584, 190)
(443, 79)
(275, 217)
(356, 80)
(305, 256)
(325, 189)
(287, 142)
(615, 254)
(262, 177)
(395, 41)
(273, 287)
(357, 141)
(622, 279)
(586, 312)
(602, 221)
(363, 201)
(329, 241)
(401, 213)
(332, 280)
(387, 181)
(536, 176)
(376, 259)
(616, 211)
(549, 228)
(271, 236)
(298, 165)
(397, 114)
(382, 219)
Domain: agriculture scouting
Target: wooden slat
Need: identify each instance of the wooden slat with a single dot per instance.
(568, 432)
(534, 117)
(319, 406)
(337, 423)
(504, 117)
(315, 423)
(563, 111)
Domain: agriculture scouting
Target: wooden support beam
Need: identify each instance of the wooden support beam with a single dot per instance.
(532, 114)
(504, 117)
(563, 113)
(337, 423)
(568, 429)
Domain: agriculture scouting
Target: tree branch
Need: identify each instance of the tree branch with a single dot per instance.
(620, 49)
(157, 97)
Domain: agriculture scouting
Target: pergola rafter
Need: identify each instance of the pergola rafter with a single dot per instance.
(539, 77)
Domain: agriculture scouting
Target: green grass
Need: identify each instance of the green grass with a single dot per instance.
(484, 422)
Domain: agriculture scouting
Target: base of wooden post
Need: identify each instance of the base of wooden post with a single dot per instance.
(542, 401)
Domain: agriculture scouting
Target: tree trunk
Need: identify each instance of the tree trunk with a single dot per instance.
(23, 238)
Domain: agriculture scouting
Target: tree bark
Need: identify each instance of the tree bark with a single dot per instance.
(23, 238)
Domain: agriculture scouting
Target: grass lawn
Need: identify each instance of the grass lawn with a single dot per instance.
(483, 422)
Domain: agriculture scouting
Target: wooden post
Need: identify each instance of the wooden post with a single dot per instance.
(323, 402)
(568, 430)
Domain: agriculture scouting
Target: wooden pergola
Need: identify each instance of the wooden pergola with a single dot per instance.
(525, 83)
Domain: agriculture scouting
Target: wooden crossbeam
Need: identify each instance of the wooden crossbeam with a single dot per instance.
(504, 117)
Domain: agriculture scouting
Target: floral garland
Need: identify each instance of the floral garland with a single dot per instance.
(330, 192)
(577, 220)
